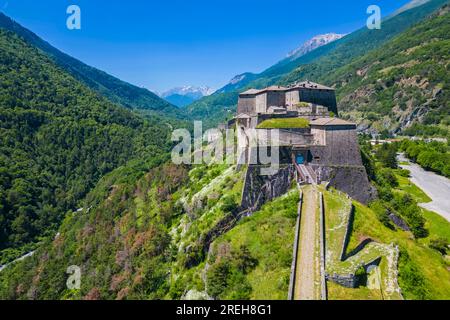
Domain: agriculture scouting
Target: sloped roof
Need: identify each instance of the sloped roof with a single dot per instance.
(251, 91)
(275, 88)
(331, 122)
(271, 88)
(310, 85)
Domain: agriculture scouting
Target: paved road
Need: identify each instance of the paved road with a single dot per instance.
(307, 266)
(435, 186)
(20, 259)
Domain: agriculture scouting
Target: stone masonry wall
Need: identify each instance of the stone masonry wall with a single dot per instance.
(259, 189)
(349, 179)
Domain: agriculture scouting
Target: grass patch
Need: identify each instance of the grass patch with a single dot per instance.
(269, 236)
(337, 213)
(428, 263)
(405, 185)
(284, 123)
(437, 225)
(337, 292)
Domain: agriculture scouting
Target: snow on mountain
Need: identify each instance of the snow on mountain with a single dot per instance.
(313, 44)
(183, 96)
(190, 91)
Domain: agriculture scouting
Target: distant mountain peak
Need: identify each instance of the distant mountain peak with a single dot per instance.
(238, 78)
(314, 43)
(185, 95)
(191, 91)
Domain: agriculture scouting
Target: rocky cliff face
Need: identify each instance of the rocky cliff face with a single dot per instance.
(259, 189)
(313, 44)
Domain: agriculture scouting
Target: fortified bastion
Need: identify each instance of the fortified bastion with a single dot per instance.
(315, 146)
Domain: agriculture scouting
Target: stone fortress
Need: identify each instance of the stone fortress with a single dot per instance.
(324, 148)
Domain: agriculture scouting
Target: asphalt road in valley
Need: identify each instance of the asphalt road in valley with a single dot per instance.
(435, 186)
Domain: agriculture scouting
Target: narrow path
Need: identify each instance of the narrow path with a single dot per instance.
(308, 264)
(435, 186)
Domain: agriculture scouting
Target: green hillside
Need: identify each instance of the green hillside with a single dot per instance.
(320, 65)
(58, 138)
(144, 238)
(114, 89)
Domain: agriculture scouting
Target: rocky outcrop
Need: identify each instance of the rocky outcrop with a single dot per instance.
(259, 189)
(399, 222)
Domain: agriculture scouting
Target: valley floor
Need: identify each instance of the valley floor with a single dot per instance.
(435, 186)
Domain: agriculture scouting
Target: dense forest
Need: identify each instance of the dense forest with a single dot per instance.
(57, 139)
(433, 156)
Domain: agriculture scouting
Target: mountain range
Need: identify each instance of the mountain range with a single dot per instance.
(183, 96)
(241, 80)
(320, 65)
(116, 90)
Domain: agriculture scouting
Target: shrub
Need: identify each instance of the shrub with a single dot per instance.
(439, 244)
(387, 155)
(244, 260)
(361, 276)
(217, 278)
(382, 214)
(404, 173)
(228, 204)
(386, 177)
(411, 279)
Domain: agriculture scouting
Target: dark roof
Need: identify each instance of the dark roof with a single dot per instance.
(271, 88)
(296, 86)
(331, 122)
(309, 85)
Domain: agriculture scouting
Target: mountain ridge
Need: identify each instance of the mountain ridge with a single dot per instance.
(317, 64)
(183, 96)
(58, 138)
(312, 44)
(118, 91)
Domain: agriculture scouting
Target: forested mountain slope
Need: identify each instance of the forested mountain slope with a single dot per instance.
(116, 90)
(319, 64)
(57, 138)
(162, 236)
(404, 81)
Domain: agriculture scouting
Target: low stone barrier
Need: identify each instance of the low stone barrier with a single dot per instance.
(323, 292)
(295, 250)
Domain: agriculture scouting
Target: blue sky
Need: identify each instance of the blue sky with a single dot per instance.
(163, 44)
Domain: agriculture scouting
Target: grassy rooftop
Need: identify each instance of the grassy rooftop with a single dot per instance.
(284, 123)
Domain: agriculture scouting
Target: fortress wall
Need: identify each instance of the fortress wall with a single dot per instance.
(344, 147)
(259, 189)
(276, 98)
(246, 104)
(319, 136)
(285, 137)
(323, 97)
(341, 147)
(292, 97)
(349, 179)
(261, 102)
